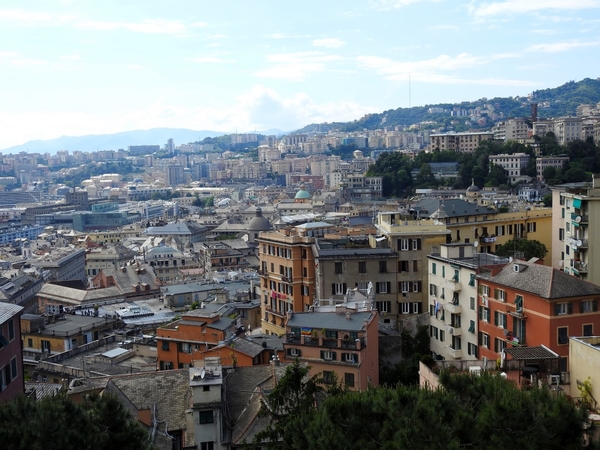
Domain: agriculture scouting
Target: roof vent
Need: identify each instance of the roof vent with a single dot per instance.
(517, 268)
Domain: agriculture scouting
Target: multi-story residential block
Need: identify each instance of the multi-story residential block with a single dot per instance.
(355, 262)
(287, 272)
(174, 175)
(413, 240)
(527, 303)
(567, 129)
(459, 142)
(576, 208)
(167, 261)
(58, 333)
(62, 264)
(197, 330)
(511, 130)
(21, 290)
(10, 235)
(107, 258)
(188, 231)
(341, 344)
(12, 381)
(543, 126)
(514, 165)
(548, 161)
(453, 299)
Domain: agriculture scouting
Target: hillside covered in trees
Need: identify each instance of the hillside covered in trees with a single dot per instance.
(561, 101)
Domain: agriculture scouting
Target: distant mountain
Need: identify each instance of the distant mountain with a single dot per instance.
(554, 102)
(154, 136)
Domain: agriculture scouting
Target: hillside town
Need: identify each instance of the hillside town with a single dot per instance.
(187, 279)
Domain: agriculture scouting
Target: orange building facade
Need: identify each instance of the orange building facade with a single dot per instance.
(342, 345)
(180, 343)
(527, 304)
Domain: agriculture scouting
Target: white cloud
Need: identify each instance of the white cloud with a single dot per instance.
(557, 47)
(527, 6)
(259, 108)
(384, 5)
(432, 70)
(328, 43)
(34, 18)
(70, 58)
(296, 66)
(210, 60)
(158, 26)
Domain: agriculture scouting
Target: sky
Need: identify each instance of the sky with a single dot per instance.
(95, 67)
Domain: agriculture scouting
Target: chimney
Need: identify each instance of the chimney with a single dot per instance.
(348, 315)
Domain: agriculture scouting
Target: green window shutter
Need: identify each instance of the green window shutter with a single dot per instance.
(594, 305)
(334, 354)
(556, 310)
(322, 354)
(496, 318)
(569, 308)
(480, 312)
(472, 326)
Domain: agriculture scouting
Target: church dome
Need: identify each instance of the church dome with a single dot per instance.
(259, 222)
(473, 188)
(302, 193)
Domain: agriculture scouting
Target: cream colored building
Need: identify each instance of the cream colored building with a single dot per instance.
(513, 165)
(459, 142)
(542, 162)
(584, 362)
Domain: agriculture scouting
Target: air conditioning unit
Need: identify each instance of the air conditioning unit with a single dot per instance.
(450, 330)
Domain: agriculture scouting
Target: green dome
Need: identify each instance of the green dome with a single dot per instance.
(302, 194)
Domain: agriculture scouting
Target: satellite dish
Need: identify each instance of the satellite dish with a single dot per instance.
(505, 332)
(476, 244)
(578, 219)
(578, 243)
(202, 374)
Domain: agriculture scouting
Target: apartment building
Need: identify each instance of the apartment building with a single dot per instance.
(287, 272)
(453, 299)
(341, 343)
(63, 264)
(576, 214)
(567, 129)
(514, 165)
(511, 130)
(413, 240)
(542, 162)
(197, 330)
(12, 381)
(529, 304)
(167, 262)
(459, 142)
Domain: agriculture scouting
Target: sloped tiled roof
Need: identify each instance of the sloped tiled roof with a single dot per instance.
(8, 310)
(543, 281)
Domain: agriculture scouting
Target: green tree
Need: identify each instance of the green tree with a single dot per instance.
(527, 248)
(56, 422)
(497, 176)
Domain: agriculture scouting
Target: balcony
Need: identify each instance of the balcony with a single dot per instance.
(453, 331)
(286, 279)
(456, 354)
(274, 311)
(454, 285)
(579, 266)
(577, 219)
(488, 239)
(452, 308)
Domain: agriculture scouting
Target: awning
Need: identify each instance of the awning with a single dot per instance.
(531, 353)
(577, 203)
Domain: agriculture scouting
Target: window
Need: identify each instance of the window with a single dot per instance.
(404, 286)
(456, 278)
(403, 244)
(433, 268)
(383, 287)
(442, 335)
(29, 342)
(165, 346)
(416, 244)
(588, 330)
(471, 326)
(405, 308)
(499, 345)
(207, 446)
(443, 271)
(563, 336)
(403, 266)
(328, 355)
(338, 288)
(472, 303)
(472, 349)
(13, 368)
(484, 314)
(456, 343)
(362, 267)
(588, 306)
(350, 358)
(305, 290)
(484, 339)
(338, 268)
(382, 266)
(11, 329)
(328, 377)
(472, 279)
(349, 379)
(433, 290)
(519, 303)
(484, 290)
(206, 417)
(433, 331)
(416, 286)
(562, 309)
(383, 307)
(500, 319)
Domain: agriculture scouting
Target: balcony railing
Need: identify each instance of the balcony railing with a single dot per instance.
(453, 330)
(454, 285)
(274, 311)
(456, 354)
(579, 266)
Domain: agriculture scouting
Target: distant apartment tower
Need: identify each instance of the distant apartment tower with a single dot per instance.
(171, 146)
(513, 165)
(140, 150)
(174, 175)
(459, 142)
(79, 198)
(543, 162)
(511, 130)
